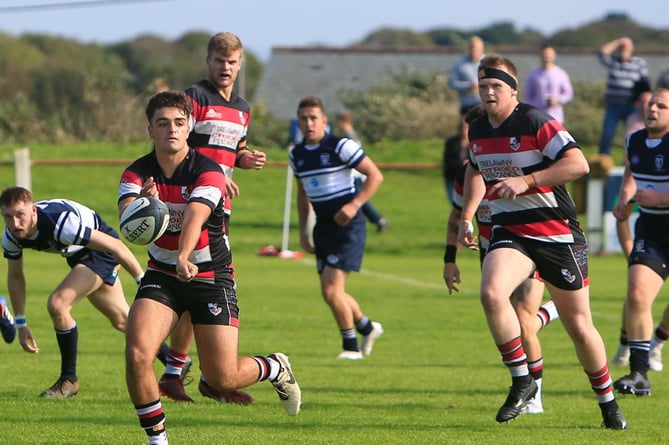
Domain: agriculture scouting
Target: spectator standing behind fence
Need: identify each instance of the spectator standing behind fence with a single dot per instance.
(548, 87)
(626, 72)
(344, 124)
(463, 77)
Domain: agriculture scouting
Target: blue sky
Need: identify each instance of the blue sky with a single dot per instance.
(264, 24)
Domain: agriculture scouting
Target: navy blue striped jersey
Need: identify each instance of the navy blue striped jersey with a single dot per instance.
(649, 166)
(63, 227)
(326, 172)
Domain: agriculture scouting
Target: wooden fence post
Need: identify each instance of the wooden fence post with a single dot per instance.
(22, 168)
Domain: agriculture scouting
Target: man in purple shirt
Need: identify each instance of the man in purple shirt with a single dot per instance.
(548, 87)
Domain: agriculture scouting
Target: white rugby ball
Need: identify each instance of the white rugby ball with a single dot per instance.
(144, 220)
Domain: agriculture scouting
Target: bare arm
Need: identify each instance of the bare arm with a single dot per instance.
(609, 47)
(374, 179)
(451, 271)
(194, 218)
(16, 284)
(105, 243)
(250, 159)
(474, 191)
(627, 190)
(303, 209)
(571, 166)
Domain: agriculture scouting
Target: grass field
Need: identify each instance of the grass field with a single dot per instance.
(435, 376)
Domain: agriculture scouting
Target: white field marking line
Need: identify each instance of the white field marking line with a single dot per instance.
(404, 280)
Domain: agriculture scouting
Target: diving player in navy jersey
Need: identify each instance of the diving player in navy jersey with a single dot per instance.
(323, 165)
(93, 251)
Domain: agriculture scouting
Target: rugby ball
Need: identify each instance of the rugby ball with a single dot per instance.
(144, 220)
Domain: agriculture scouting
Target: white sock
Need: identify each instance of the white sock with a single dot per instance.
(548, 312)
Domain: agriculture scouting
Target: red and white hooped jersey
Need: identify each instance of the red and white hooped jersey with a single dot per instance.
(196, 179)
(528, 140)
(219, 126)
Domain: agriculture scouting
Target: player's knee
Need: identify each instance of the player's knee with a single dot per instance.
(330, 296)
(56, 306)
(491, 300)
(580, 331)
(638, 301)
(118, 320)
(137, 357)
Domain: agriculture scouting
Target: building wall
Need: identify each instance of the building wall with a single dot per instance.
(293, 73)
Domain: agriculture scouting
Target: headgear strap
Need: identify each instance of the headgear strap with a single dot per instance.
(494, 73)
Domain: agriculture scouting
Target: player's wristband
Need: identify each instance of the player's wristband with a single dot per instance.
(469, 227)
(238, 159)
(138, 279)
(451, 251)
(20, 321)
(530, 180)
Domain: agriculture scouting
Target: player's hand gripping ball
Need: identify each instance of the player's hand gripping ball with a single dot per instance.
(144, 220)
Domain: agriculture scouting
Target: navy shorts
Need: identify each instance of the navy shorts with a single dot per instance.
(564, 265)
(651, 247)
(102, 263)
(207, 303)
(341, 247)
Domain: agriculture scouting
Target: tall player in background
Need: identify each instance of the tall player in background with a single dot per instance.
(221, 120)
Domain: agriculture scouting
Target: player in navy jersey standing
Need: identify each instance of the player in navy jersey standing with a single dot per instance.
(221, 120)
(645, 181)
(93, 251)
(520, 159)
(323, 165)
(189, 270)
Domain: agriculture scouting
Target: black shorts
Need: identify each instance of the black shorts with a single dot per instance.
(207, 303)
(563, 265)
(102, 263)
(341, 247)
(651, 248)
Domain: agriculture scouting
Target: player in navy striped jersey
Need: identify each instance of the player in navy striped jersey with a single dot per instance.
(93, 251)
(520, 160)
(646, 181)
(220, 124)
(323, 165)
(188, 271)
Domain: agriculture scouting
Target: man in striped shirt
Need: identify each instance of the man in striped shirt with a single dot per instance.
(626, 73)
